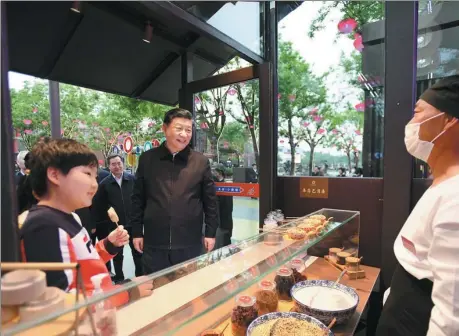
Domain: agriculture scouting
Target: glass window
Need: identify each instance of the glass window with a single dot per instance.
(227, 132)
(438, 52)
(331, 89)
(239, 20)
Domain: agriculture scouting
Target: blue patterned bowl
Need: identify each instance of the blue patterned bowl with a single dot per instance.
(303, 317)
(325, 316)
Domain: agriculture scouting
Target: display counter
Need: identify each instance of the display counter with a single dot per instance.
(200, 294)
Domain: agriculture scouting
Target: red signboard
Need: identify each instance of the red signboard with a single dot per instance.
(128, 144)
(238, 189)
(155, 143)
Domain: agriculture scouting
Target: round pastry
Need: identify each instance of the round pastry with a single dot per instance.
(319, 217)
(296, 233)
(53, 299)
(21, 286)
(306, 227)
(313, 222)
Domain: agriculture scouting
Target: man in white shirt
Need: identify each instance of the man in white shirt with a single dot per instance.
(424, 293)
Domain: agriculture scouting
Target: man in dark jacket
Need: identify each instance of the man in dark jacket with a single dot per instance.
(225, 213)
(115, 191)
(172, 193)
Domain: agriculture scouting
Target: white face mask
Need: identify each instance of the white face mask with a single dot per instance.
(420, 149)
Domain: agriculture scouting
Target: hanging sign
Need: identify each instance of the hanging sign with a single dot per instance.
(147, 146)
(131, 159)
(115, 150)
(238, 189)
(155, 143)
(128, 144)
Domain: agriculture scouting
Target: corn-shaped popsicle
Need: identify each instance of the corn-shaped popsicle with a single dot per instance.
(113, 215)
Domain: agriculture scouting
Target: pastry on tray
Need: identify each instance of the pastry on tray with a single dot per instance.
(296, 233)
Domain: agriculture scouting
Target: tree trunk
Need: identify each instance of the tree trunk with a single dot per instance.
(292, 147)
(214, 149)
(349, 164)
(255, 147)
(311, 159)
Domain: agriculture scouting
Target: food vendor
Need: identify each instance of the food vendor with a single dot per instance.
(424, 293)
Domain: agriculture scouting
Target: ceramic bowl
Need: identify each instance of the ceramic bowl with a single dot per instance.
(303, 317)
(325, 316)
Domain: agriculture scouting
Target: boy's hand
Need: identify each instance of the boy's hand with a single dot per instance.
(119, 237)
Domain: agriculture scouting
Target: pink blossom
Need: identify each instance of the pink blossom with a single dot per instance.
(107, 129)
(27, 121)
(305, 124)
(151, 124)
(358, 132)
(204, 125)
(44, 123)
(251, 126)
(221, 112)
(232, 92)
(281, 141)
(28, 131)
(291, 98)
(314, 111)
(320, 131)
(62, 132)
(279, 96)
(34, 110)
(317, 118)
(101, 162)
(335, 131)
(346, 26)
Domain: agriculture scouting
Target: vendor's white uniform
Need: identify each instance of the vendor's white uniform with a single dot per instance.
(428, 248)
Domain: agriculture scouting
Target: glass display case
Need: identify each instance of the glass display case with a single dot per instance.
(200, 294)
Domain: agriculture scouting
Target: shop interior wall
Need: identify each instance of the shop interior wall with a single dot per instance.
(358, 194)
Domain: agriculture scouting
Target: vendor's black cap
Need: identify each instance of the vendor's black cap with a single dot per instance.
(444, 95)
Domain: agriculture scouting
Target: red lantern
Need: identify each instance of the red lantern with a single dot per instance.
(360, 107)
(347, 26)
(358, 42)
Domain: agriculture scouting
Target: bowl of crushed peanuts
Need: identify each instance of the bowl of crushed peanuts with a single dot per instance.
(287, 324)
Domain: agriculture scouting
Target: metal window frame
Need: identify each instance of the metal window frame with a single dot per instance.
(401, 27)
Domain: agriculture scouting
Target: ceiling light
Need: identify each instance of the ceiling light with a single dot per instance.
(148, 32)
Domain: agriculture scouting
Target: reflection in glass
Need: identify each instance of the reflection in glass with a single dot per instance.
(331, 90)
(227, 134)
(438, 52)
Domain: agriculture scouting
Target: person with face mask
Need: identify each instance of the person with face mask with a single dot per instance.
(424, 294)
